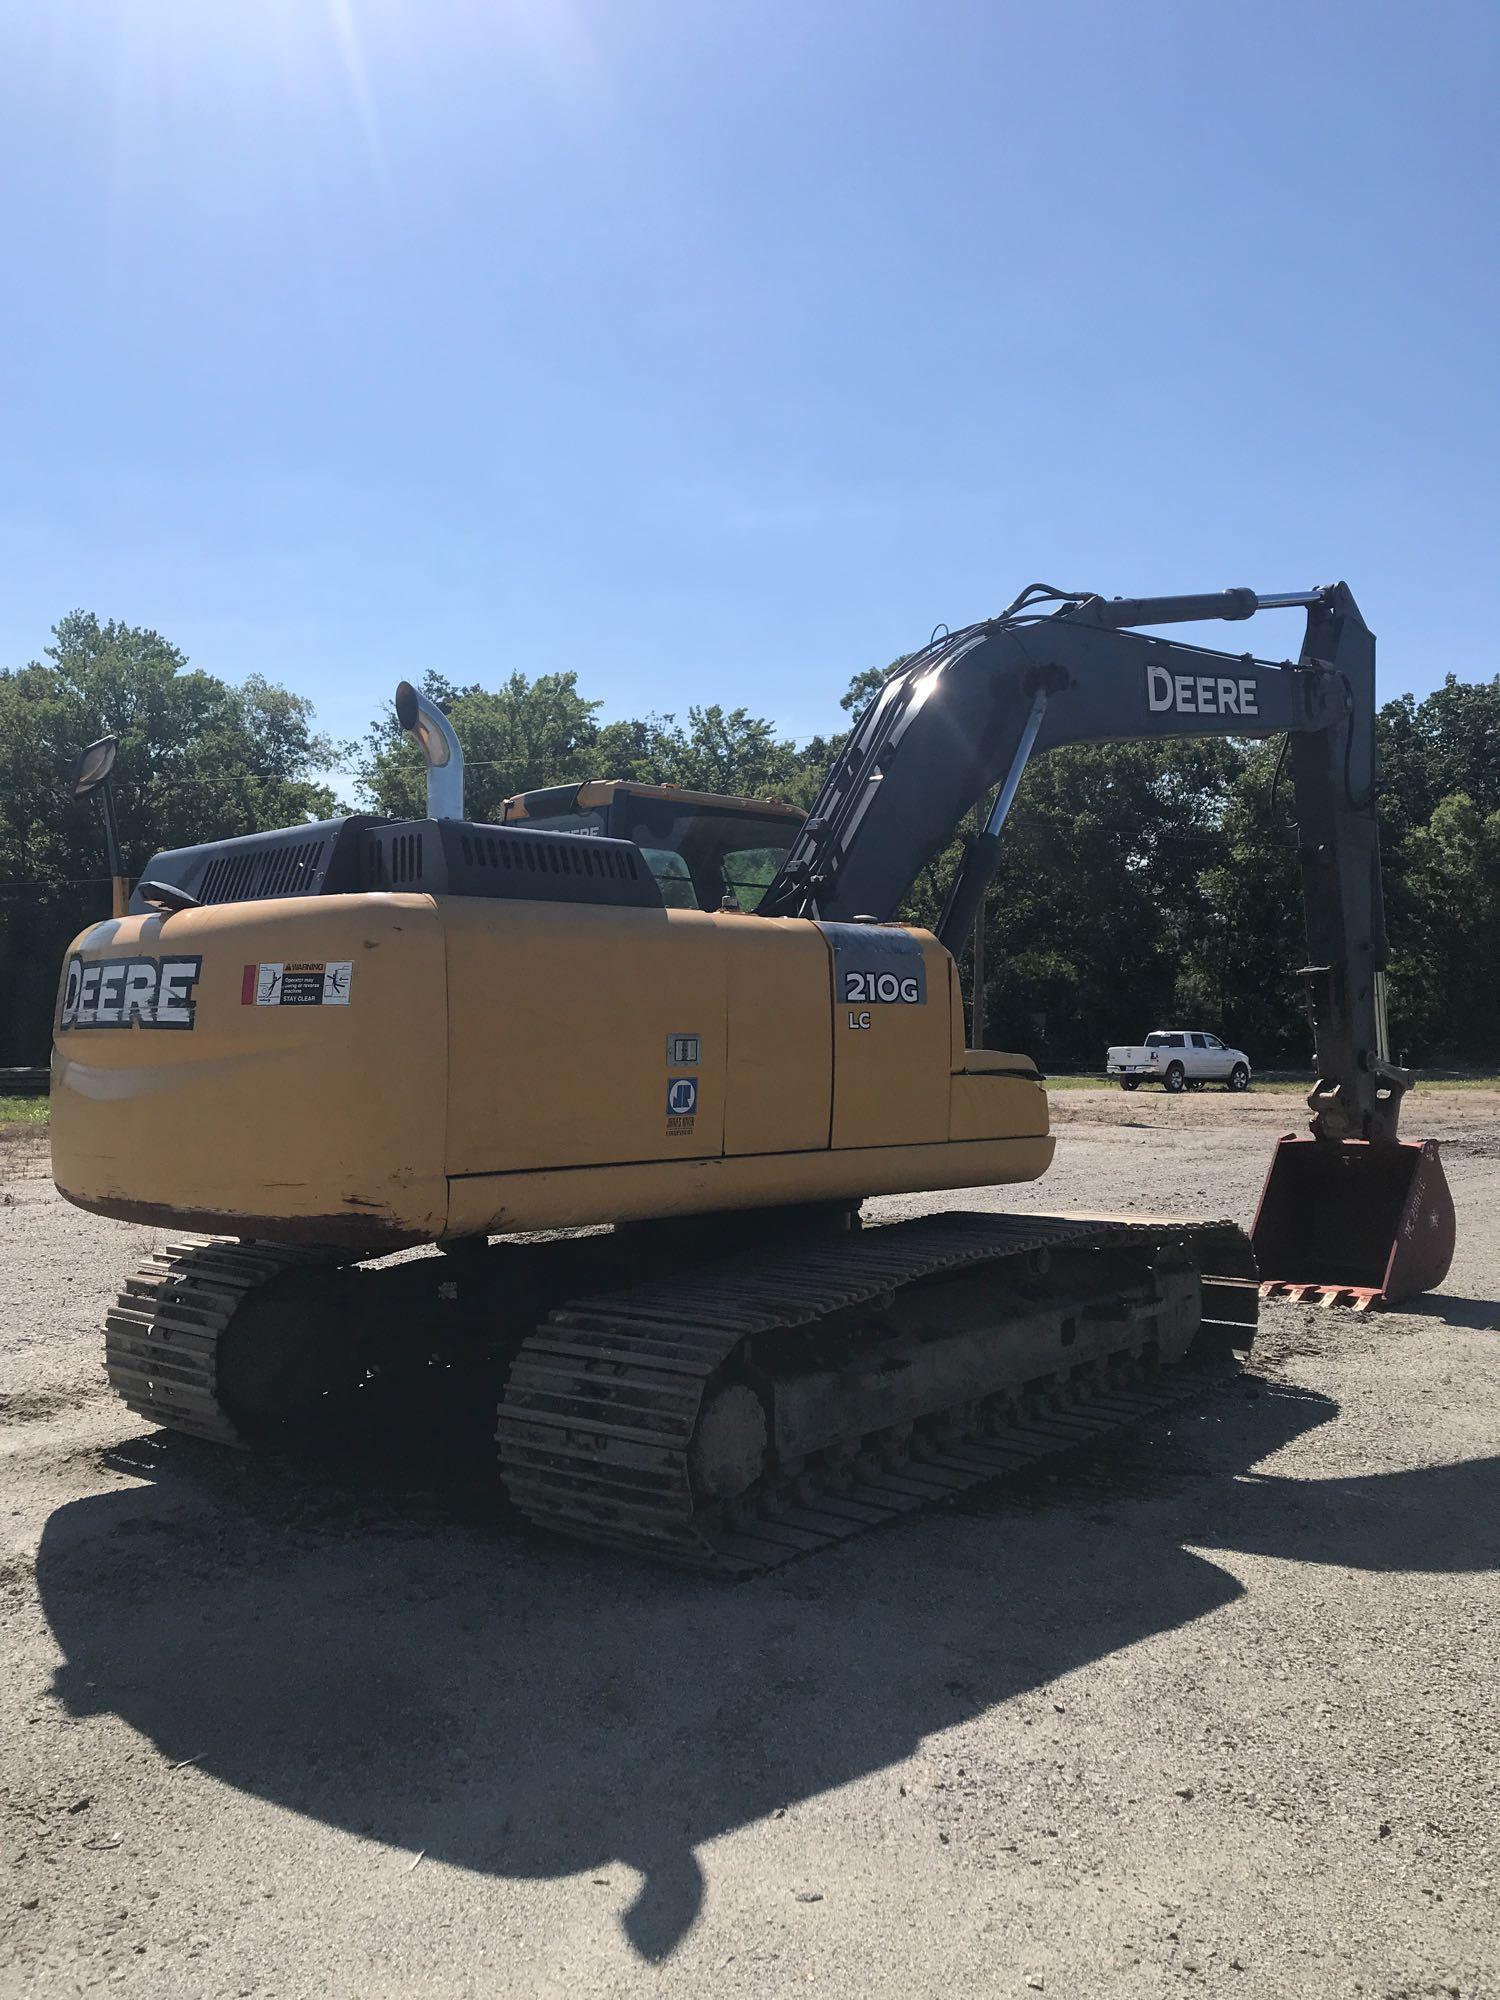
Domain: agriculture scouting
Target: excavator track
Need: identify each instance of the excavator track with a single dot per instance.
(608, 1405)
(623, 1418)
(162, 1335)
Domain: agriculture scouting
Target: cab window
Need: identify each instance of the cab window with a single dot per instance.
(672, 877)
(1199, 1041)
(748, 872)
(703, 857)
(721, 857)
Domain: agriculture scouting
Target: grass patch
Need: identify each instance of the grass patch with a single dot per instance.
(1107, 1083)
(1289, 1086)
(24, 1110)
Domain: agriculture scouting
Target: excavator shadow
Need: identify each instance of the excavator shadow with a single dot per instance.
(525, 1708)
(1483, 1315)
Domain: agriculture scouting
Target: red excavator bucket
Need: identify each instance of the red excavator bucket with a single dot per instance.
(1349, 1222)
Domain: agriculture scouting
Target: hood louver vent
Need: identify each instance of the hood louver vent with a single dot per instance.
(271, 871)
(406, 859)
(410, 857)
(580, 857)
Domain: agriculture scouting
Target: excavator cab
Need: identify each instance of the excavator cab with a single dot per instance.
(707, 851)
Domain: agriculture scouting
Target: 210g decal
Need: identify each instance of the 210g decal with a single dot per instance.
(906, 987)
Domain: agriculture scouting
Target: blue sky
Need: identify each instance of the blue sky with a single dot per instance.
(719, 350)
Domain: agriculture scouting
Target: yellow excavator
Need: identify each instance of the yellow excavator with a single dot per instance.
(696, 1020)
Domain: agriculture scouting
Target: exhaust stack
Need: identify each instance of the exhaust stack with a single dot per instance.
(440, 746)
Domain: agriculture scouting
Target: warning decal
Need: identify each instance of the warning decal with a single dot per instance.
(301, 983)
(682, 1103)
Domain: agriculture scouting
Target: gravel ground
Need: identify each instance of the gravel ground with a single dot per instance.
(1212, 1710)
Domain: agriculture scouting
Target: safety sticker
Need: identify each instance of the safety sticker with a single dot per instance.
(682, 1051)
(682, 1103)
(299, 983)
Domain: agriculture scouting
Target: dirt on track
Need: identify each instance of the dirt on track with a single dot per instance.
(1210, 1710)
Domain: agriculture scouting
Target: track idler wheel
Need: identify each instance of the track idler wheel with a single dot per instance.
(728, 1452)
(288, 1362)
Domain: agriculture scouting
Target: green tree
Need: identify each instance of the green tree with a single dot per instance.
(864, 687)
(734, 752)
(1099, 890)
(1439, 795)
(199, 759)
(1239, 969)
(523, 734)
(1138, 882)
(532, 733)
(1446, 944)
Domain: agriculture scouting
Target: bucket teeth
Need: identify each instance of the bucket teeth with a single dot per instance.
(1357, 1298)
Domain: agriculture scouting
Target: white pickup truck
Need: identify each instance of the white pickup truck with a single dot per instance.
(1178, 1060)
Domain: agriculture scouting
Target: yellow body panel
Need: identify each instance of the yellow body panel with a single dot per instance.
(986, 1103)
(778, 1036)
(558, 1019)
(372, 1070)
(329, 1119)
(892, 1063)
(494, 1204)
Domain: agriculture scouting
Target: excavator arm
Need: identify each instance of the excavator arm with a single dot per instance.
(1350, 1214)
(967, 713)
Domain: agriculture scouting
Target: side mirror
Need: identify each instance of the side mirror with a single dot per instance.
(92, 766)
(90, 774)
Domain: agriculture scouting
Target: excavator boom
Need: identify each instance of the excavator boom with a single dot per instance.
(964, 715)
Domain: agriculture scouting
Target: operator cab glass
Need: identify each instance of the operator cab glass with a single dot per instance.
(704, 855)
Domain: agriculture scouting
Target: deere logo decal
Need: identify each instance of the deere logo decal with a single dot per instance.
(1200, 694)
(129, 993)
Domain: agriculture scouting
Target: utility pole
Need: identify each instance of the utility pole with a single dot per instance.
(976, 989)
